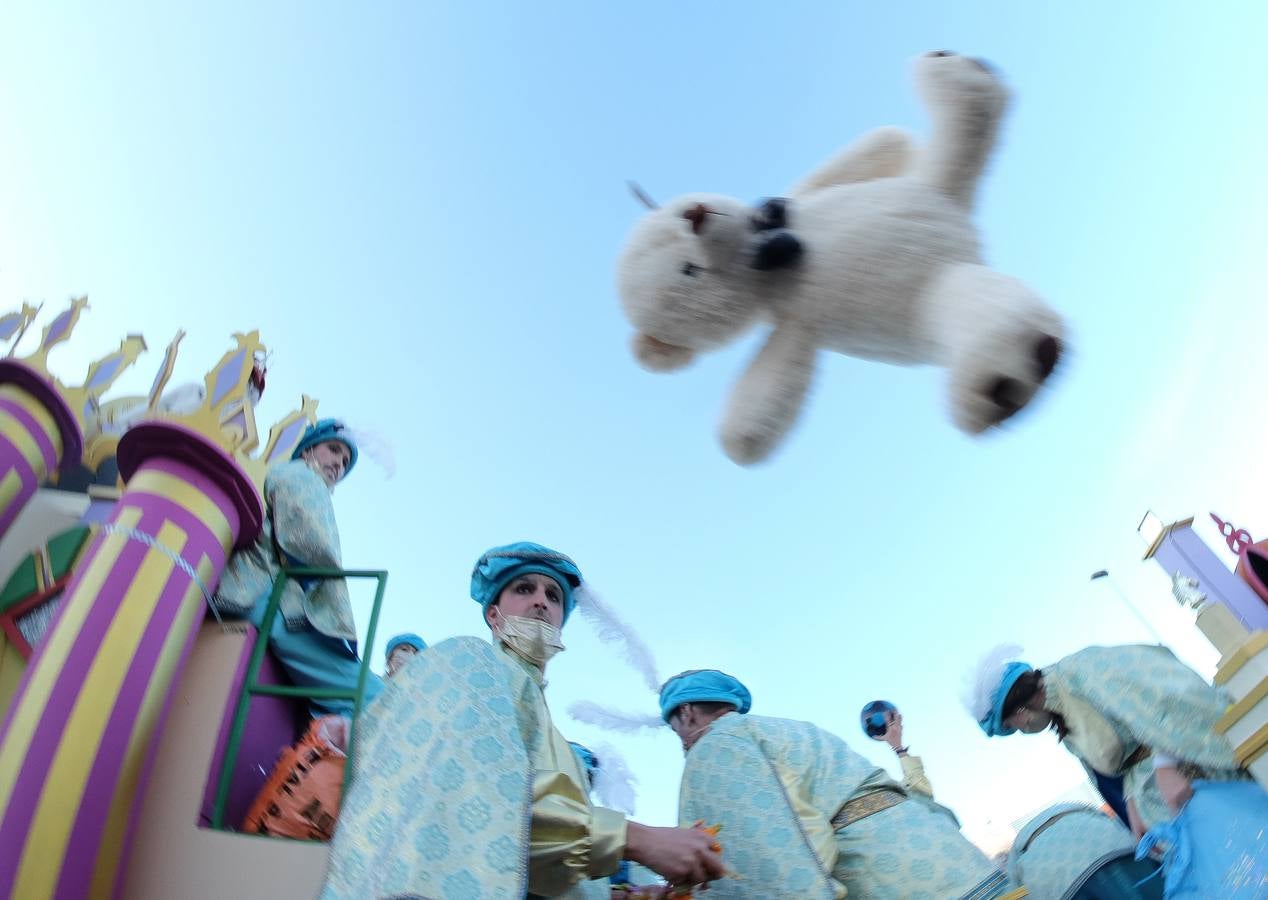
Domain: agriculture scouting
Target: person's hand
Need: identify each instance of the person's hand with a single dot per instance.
(894, 731)
(682, 856)
(1174, 787)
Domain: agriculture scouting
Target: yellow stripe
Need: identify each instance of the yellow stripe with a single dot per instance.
(9, 488)
(35, 409)
(160, 687)
(16, 432)
(1235, 712)
(57, 647)
(46, 842)
(12, 665)
(185, 494)
(1257, 642)
(1251, 747)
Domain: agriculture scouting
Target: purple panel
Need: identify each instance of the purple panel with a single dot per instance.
(106, 372)
(287, 440)
(1184, 551)
(227, 380)
(9, 325)
(59, 326)
(270, 727)
(99, 510)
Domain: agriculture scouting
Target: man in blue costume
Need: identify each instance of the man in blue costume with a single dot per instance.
(314, 635)
(1136, 712)
(802, 814)
(401, 649)
(463, 787)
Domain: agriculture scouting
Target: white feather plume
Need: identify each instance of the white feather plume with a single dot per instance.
(373, 444)
(611, 630)
(181, 400)
(613, 781)
(612, 720)
(982, 682)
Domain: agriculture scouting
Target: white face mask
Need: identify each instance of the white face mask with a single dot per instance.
(689, 739)
(533, 639)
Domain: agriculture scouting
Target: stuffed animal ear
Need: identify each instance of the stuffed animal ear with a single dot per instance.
(657, 356)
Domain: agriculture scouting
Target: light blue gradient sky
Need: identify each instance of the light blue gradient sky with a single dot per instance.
(420, 207)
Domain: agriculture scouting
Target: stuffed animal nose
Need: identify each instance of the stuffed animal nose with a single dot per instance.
(778, 249)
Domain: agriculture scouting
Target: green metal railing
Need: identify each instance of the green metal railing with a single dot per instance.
(251, 687)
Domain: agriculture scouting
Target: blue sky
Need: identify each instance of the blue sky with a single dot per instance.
(420, 207)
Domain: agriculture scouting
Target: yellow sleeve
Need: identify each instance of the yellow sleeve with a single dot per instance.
(914, 779)
(570, 840)
(814, 823)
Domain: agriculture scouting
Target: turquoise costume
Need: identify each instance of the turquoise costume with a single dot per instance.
(314, 636)
(462, 787)
(805, 816)
(1124, 703)
(1074, 852)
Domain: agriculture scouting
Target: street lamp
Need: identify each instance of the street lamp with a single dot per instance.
(1104, 575)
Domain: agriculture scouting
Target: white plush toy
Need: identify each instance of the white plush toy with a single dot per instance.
(874, 255)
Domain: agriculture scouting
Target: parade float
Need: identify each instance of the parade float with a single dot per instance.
(1232, 612)
(137, 728)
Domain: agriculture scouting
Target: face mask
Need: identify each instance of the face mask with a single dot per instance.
(689, 739)
(532, 639)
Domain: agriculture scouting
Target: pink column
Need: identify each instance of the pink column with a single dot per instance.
(80, 735)
(38, 435)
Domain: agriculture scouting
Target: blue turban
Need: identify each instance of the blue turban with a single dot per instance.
(993, 724)
(589, 761)
(499, 566)
(703, 686)
(328, 430)
(411, 640)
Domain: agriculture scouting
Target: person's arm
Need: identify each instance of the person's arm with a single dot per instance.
(682, 856)
(914, 779)
(1174, 787)
(570, 840)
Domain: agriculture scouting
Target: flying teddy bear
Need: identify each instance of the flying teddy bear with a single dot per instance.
(874, 255)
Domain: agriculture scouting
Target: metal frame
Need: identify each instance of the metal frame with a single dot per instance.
(252, 688)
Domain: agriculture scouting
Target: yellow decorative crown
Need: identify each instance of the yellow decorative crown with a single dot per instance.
(225, 416)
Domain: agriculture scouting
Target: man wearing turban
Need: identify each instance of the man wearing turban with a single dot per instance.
(462, 785)
(314, 635)
(804, 815)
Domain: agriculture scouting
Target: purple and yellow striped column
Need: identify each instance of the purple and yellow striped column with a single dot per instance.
(38, 435)
(79, 737)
